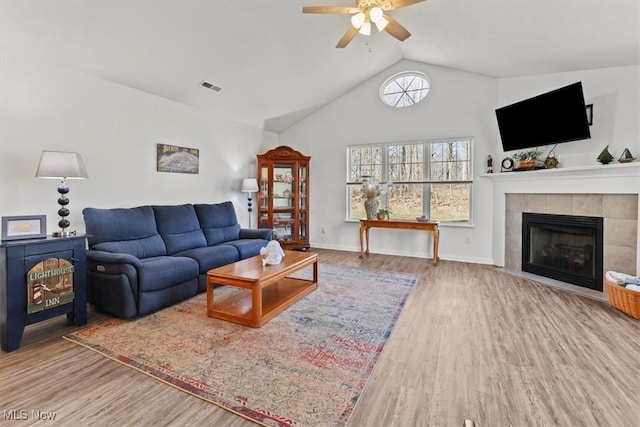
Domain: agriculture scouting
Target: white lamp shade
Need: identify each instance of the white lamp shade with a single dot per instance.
(249, 185)
(381, 23)
(365, 30)
(358, 19)
(61, 165)
(375, 13)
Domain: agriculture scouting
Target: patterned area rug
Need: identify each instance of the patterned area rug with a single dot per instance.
(306, 367)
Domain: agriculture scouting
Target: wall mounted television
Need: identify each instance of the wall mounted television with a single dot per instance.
(550, 118)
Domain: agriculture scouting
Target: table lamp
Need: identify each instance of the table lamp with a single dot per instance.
(61, 165)
(249, 185)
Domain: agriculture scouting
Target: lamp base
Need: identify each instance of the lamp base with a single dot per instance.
(63, 233)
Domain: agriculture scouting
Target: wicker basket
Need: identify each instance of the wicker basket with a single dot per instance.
(623, 299)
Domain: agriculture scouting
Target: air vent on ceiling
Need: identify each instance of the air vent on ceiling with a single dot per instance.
(211, 86)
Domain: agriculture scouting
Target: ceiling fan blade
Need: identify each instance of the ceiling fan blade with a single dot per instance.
(347, 37)
(330, 9)
(397, 4)
(396, 29)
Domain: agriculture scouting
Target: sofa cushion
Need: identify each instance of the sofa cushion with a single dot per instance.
(165, 272)
(131, 230)
(140, 248)
(179, 228)
(218, 221)
(248, 247)
(212, 256)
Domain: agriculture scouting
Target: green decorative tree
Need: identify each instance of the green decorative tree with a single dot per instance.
(605, 156)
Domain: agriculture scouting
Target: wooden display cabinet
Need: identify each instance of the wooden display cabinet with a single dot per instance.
(283, 198)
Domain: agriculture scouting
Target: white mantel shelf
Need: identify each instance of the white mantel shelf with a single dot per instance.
(617, 170)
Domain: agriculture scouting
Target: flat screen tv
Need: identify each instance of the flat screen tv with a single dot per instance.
(549, 118)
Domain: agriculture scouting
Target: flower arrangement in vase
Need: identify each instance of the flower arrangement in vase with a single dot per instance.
(371, 189)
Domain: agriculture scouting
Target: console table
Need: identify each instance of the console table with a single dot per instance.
(40, 279)
(429, 226)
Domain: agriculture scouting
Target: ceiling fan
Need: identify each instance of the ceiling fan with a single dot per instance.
(366, 12)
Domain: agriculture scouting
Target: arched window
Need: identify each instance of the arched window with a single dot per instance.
(405, 89)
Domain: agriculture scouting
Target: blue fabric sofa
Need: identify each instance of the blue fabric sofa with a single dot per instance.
(146, 258)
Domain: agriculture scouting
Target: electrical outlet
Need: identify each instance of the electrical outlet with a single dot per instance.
(467, 240)
(323, 232)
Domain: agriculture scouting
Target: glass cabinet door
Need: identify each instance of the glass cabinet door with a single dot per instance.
(282, 190)
(264, 221)
(302, 226)
(264, 186)
(302, 190)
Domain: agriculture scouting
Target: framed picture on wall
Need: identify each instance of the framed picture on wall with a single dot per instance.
(24, 227)
(172, 158)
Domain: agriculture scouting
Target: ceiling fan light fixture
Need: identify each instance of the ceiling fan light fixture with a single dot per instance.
(358, 19)
(375, 14)
(365, 30)
(363, 14)
(381, 23)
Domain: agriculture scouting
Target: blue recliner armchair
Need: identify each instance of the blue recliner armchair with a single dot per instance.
(146, 258)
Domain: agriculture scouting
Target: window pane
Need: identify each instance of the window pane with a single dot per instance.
(406, 162)
(405, 200)
(450, 161)
(404, 89)
(437, 171)
(365, 161)
(450, 202)
(356, 199)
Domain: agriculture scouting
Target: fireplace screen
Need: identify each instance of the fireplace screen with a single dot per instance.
(563, 247)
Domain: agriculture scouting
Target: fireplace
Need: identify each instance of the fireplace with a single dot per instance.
(568, 248)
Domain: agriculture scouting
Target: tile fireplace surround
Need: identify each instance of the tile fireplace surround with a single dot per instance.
(609, 191)
(620, 213)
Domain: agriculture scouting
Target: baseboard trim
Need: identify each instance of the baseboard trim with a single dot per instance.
(443, 257)
(591, 293)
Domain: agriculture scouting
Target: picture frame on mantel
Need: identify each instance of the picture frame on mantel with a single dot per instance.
(24, 227)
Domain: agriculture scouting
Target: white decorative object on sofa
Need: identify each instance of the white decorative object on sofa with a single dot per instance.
(272, 254)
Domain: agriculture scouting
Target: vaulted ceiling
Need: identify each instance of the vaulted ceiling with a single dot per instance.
(275, 64)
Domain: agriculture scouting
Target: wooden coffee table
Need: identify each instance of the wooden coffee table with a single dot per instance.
(268, 290)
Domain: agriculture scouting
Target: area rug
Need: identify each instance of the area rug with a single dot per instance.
(306, 367)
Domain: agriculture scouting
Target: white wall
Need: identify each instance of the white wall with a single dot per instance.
(115, 129)
(459, 104)
(615, 95)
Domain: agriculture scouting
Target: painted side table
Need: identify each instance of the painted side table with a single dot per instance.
(40, 279)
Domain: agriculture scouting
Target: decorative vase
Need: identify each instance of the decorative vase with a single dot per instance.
(371, 208)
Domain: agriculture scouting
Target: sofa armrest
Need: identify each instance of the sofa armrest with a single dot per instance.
(256, 233)
(102, 257)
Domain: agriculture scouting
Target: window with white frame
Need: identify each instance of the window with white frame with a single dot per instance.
(431, 178)
(405, 89)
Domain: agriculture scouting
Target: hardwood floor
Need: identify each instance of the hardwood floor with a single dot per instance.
(472, 342)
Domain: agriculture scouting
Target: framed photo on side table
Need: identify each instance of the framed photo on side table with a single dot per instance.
(24, 227)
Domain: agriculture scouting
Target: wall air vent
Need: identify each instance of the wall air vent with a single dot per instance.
(211, 86)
